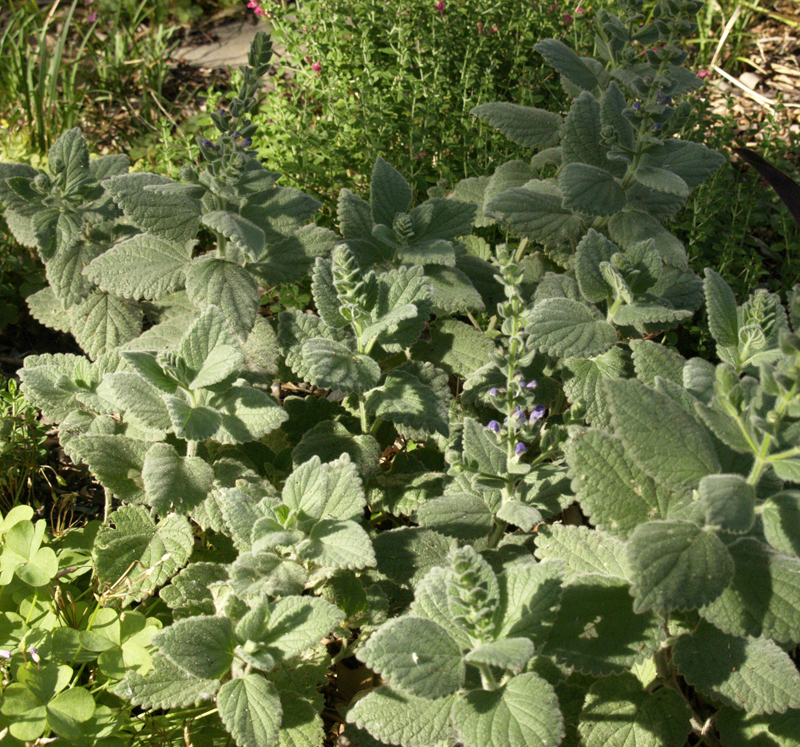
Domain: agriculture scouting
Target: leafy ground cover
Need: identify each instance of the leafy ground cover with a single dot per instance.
(462, 459)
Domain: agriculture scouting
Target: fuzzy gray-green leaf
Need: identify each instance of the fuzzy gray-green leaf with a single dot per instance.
(532, 128)
(585, 382)
(246, 236)
(115, 461)
(590, 189)
(593, 249)
(599, 631)
(660, 436)
(165, 686)
(251, 710)
(335, 366)
(417, 656)
(752, 674)
(764, 598)
(781, 516)
(728, 501)
(559, 56)
(583, 550)
(403, 399)
(619, 712)
(148, 554)
(677, 566)
(211, 281)
(525, 711)
(651, 359)
(104, 322)
(173, 480)
(614, 492)
(580, 134)
(144, 266)
(172, 216)
(202, 646)
(723, 321)
(536, 212)
(395, 718)
(568, 329)
(389, 193)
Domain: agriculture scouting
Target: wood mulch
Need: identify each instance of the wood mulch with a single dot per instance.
(766, 88)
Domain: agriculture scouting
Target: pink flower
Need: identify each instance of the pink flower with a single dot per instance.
(703, 74)
(566, 18)
(480, 27)
(92, 17)
(317, 67)
(440, 7)
(255, 6)
(553, 7)
(579, 11)
(493, 29)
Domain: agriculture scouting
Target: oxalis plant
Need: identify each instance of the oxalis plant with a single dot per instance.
(408, 513)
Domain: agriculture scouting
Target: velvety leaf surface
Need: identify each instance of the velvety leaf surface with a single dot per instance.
(251, 710)
(598, 631)
(583, 550)
(532, 128)
(752, 674)
(172, 480)
(764, 598)
(143, 266)
(149, 554)
(395, 718)
(619, 712)
(297, 623)
(616, 495)
(568, 329)
(417, 656)
(677, 565)
(666, 442)
(103, 322)
(202, 646)
(524, 712)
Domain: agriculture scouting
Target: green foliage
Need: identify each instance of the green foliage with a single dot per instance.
(408, 74)
(62, 650)
(459, 399)
(22, 449)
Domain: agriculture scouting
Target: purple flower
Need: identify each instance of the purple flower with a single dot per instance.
(494, 426)
(656, 127)
(440, 7)
(519, 414)
(532, 384)
(247, 142)
(5, 654)
(520, 449)
(207, 144)
(537, 413)
(636, 105)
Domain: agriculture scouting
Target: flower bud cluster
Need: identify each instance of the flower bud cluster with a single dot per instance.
(516, 400)
(469, 598)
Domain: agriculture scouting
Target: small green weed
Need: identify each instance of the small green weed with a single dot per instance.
(370, 78)
(22, 447)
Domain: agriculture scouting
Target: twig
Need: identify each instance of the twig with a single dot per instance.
(757, 97)
(728, 26)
